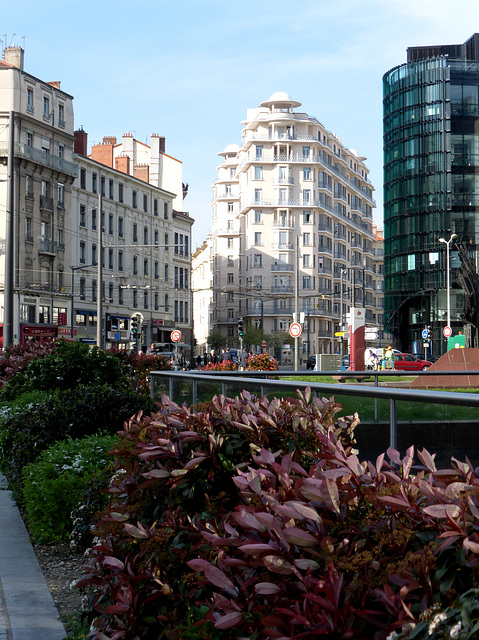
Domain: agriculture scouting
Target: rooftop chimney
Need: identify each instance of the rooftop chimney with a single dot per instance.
(81, 142)
(14, 56)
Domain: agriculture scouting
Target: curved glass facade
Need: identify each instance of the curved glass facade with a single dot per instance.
(431, 190)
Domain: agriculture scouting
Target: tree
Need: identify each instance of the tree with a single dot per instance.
(253, 336)
(216, 340)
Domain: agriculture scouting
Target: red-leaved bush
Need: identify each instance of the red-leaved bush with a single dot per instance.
(16, 358)
(256, 519)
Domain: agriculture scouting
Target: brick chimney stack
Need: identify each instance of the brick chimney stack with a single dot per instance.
(81, 142)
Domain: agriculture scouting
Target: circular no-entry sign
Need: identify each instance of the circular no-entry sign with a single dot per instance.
(447, 331)
(175, 335)
(263, 344)
(295, 330)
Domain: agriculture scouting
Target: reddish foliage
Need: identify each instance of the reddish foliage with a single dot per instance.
(16, 359)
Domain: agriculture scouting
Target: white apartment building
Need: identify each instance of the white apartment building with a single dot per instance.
(36, 128)
(146, 247)
(299, 206)
(202, 282)
(144, 236)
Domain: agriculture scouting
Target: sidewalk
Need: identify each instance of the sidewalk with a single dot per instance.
(27, 610)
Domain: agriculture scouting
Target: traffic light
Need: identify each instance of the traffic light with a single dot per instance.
(134, 325)
(427, 334)
(241, 327)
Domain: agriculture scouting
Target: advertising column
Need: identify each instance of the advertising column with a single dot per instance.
(356, 340)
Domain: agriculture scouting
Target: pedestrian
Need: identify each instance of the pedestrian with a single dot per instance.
(222, 355)
(151, 351)
(205, 359)
(243, 358)
(198, 361)
(228, 356)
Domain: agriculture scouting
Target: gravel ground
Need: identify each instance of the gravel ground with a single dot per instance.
(61, 566)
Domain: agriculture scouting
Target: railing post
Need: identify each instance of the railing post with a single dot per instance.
(376, 400)
(170, 387)
(195, 391)
(223, 388)
(392, 423)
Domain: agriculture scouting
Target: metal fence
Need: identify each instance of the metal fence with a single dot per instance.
(189, 386)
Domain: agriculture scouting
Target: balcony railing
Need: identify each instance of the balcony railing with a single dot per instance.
(48, 247)
(282, 266)
(46, 203)
(40, 157)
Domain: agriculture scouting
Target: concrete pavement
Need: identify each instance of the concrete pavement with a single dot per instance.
(27, 610)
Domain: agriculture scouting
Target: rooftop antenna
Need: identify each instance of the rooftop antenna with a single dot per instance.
(12, 39)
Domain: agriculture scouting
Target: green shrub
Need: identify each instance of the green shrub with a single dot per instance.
(74, 413)
(70, 365)
(55, 483)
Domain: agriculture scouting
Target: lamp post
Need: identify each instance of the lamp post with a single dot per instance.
(448, 267)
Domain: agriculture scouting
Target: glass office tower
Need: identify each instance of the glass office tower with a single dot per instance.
(431, 187)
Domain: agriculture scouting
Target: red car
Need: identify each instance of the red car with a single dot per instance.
(408, 362)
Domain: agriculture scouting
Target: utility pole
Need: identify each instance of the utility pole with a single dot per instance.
(99, 297)
(9, 240)
(296, 303)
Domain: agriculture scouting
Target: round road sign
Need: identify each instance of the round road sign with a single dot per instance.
(175, 335)
(263, 344)
(424, 333)
(447, 331)
(295, 330)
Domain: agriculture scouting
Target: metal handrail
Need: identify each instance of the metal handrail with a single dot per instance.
(376, 392)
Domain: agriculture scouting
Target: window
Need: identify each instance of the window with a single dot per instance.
(259, 152)
(61, 114)
(155, 206)
(135, 298)
(93, 219)
(306, 282)
(306, 239)
(145, 299)
(110, 224)
(306, 258)
(283, 196)
(61, 195)
(120, 192)
(94, 183)
(110, 259)
(46, 108)
(145, 267)
(258, 196)
(307, 217)
(258, 282)
(102, 182)
(120, 260)
(258, 216)
(166, 242)
(156, 236)
(258, 237)
(93, 254)
(258, 173)
(29, 99)
(145, 235)
(28, 229)
(29, 186)
(166, 272)
(135, 265)
(44, 314)
(82, 288)
(306, 196)
(230, 207)
(306, 173)
(134, 199)
(135, 232)
(230, 243)
(145, 203)
(110, 292)
(257, 260)
(82, 178)
(82, 253)
(230, 261)
(231, 278)
(120, 227)
(120, 294)
(110, 189)
(61, 151)
(306, 151)
(156, 270)
(165, 210)
(82, 215)
(29, 138)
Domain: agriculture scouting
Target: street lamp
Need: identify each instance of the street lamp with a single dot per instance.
(448, 266)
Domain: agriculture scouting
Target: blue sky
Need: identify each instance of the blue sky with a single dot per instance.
(189, 70)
